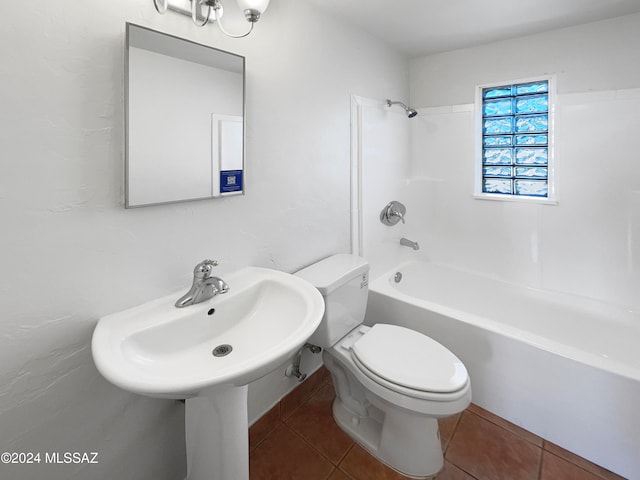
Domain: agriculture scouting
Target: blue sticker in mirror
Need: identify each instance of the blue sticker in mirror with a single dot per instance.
(230, 181)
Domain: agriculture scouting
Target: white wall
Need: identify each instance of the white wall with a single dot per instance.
(589, 243)
(70, 251)
(591, 57)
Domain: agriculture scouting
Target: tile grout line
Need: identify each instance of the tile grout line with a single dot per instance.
(335, 465)
(523, 437)
(453, 432)
(541, 460)
(444, 450)
(304, 399)
(502, 429)
(267, 435)
(591, 471)
(461, 469)
(595, 474)
(342, 459)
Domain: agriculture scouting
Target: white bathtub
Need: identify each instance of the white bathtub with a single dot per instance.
(564, 367)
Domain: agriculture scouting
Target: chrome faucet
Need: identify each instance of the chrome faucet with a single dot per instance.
(397, 213)
(393, 213)
(408, 243)
(204, 285)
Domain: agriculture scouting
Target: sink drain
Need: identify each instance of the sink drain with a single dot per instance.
(222, 350)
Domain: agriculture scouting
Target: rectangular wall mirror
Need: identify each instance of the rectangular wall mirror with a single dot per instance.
(184, 124)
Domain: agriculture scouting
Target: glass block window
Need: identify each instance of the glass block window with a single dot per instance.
(514, 143)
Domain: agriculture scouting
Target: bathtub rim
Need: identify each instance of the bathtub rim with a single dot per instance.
(382, 285)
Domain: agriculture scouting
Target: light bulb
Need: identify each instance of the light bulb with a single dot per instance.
(253, 8)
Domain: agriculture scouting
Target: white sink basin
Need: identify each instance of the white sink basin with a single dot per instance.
(162, 351)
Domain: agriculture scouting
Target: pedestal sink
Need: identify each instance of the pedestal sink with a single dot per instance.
(207, 354)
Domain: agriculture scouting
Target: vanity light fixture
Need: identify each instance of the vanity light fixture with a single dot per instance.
(204, 11)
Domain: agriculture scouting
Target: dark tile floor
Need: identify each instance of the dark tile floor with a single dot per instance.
(298, 440)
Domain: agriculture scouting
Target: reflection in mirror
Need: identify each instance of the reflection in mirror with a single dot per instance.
(184, 120)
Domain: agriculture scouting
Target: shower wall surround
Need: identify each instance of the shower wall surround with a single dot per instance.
(71, 253)
(589, 243)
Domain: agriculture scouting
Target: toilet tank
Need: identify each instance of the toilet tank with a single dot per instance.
(343, 281)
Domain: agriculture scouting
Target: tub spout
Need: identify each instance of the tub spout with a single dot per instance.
(408, 243)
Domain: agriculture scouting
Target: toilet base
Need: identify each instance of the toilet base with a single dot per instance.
(406, 443)
(406, 440)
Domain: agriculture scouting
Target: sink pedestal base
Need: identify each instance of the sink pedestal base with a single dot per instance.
(217, 434)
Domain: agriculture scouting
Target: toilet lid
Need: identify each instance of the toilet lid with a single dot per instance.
(408, 358)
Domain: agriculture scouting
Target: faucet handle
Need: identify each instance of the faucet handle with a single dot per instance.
(393, 213)
(204, 268)
(396, 213)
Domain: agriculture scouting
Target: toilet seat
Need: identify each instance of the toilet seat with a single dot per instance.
(408, 362)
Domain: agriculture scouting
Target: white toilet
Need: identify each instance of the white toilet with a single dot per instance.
(392, 383)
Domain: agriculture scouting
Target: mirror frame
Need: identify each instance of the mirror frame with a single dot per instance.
(127, 133)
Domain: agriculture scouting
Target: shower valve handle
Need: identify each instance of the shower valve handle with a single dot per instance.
(393, 213)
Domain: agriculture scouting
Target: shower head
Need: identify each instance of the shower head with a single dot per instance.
(409, 111)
